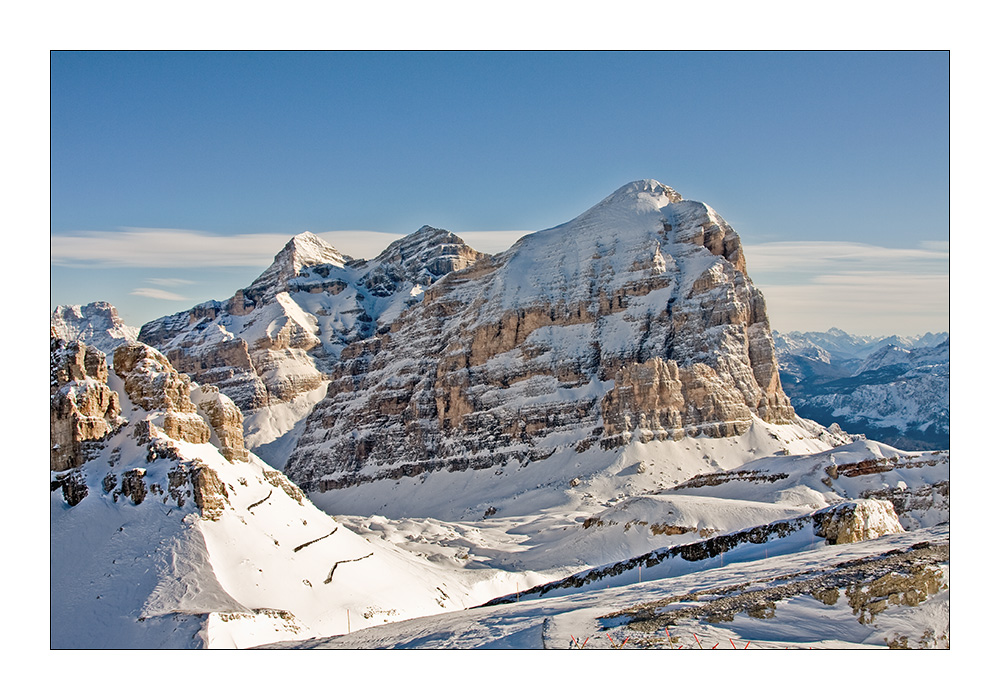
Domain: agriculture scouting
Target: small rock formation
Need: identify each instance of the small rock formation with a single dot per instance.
(134, 485)
(154, 385)
(210, 494)
(856, 521)
(83, 407)
(226, 420)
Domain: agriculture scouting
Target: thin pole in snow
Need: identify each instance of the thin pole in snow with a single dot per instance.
(348, 621)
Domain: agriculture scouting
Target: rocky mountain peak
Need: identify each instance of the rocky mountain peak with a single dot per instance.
(420, 258)
(96, 324)
(634, 320)
(301, 253)
(641, 188)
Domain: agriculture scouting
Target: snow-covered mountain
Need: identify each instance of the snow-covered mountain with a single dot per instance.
(589, 430)
(96, 324)
(636, 319)
(891, 388)
(272, 346)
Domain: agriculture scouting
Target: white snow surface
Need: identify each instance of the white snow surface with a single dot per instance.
(598, 619)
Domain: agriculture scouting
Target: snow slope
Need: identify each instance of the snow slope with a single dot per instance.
(198, 551)
(887, 592)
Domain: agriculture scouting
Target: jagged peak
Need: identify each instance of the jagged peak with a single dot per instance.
(428, 241)
(640, 198)
(308, 249)
(302, 251)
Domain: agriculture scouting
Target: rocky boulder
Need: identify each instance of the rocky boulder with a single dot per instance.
(856, 521)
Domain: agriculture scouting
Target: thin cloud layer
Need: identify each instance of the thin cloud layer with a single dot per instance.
(181, 248)
(164, 248)
(809, 285)
(157, 294)
(861, 288)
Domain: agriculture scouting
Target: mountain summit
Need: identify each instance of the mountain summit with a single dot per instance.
(272, 346)
(634, 321)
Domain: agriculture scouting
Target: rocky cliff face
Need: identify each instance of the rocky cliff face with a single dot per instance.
(97, 325)
(226, 421)
(277, 340)
(636, 319)
(155, 386)
(84, 409)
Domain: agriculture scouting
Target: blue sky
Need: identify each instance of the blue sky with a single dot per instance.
(833, 167)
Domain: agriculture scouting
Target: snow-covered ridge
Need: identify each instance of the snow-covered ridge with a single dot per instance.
(159, 540)
(272, 346)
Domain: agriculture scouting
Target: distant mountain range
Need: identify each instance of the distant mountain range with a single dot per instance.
(893, 389)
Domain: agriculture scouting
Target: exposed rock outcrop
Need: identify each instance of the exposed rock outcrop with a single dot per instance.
(226, 421)
(154, 385)
(660, 400)
(83, 408)
(636, 318)
(857, 521)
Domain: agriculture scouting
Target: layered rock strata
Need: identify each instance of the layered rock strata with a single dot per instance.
(637, 317)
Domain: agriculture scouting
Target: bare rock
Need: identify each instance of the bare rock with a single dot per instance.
(210, 494)
(154, 385)
(83, 408)
(856, 521)
(134, 485)
(226, 421)
(662, 400)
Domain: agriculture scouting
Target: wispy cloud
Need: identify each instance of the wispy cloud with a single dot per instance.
(170, 282)
(182, 248)
(491, 241)
(157, 294)
(812, 285)
(164, 248)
